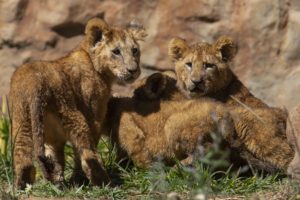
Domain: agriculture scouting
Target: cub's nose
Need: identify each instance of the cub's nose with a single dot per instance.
(132, 71)
(197, 82)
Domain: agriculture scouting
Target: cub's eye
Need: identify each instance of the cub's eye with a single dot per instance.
(134, 50)
(208, 65)
(189, 65)
(116, 51)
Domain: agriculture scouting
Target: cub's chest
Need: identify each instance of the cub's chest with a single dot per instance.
(95, 93)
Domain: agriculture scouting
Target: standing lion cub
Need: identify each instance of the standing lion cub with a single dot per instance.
(66, 99)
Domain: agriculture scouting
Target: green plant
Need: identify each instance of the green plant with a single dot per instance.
(6, 159)
(4, 129)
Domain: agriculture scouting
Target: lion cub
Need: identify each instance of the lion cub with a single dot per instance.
(147, 127)
(158, 123)
(66, 100)
(203, 70)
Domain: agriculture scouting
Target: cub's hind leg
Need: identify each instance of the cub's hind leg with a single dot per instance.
(79, 133)
(55, 152)
(22, 150)
(55, 140)
(262, 133)
(78, 177)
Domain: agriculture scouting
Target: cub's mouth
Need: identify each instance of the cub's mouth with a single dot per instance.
(197, 90)
(130, 77)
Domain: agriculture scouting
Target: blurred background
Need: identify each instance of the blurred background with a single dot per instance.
(267, 33)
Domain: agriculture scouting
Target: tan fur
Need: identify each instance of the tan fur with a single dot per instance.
(163, 129)
(260, 137)
(66, 100)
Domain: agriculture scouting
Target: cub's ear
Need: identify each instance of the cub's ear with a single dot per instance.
(225, 48)
(136, 30)
(96, 30)
(177, 49)
(151, 87)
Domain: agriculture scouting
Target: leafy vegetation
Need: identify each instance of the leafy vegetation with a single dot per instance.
(155, 183)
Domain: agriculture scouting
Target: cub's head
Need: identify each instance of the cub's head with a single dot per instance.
(114, 50)
(202, 68)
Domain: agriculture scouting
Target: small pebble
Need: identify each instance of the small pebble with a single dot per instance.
(173, 196)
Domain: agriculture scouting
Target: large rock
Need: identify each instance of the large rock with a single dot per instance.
(267, 33)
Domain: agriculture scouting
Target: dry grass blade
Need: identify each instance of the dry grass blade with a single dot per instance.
(247, 107)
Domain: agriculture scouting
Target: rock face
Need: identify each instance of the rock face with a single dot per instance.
(267, 33)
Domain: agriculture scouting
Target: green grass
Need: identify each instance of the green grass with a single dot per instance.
(134, 183)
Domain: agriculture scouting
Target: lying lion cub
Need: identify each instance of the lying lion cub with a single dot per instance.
(158, 128)
(157, 124)
(66, 100)
(170, 126)
(203, 70)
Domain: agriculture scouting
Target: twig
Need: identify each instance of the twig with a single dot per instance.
(247, 107)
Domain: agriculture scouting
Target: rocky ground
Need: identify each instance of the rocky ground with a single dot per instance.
(267, 33)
